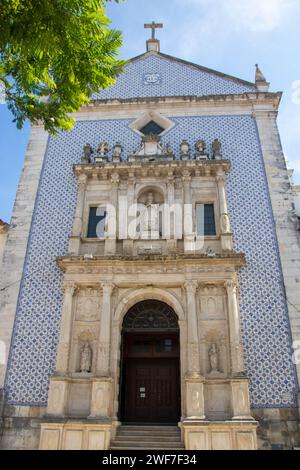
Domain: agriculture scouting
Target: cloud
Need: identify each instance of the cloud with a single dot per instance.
(258, 15)
(210, 21)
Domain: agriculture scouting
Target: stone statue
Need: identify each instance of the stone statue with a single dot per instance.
(103, 149)
(150, 217)
(87, 153)
(216, 149)
(213, 354)
(86, 358)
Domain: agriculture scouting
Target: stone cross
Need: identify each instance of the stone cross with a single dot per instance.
(153, 26)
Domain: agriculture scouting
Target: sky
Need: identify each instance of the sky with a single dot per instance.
(230, 36)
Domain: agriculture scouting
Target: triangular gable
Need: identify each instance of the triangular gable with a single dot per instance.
(158, 74)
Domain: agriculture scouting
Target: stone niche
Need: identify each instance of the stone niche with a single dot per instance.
(85, 331)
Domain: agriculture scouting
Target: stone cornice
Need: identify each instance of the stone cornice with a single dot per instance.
(178, 167)
(249, 98)
(177, 261)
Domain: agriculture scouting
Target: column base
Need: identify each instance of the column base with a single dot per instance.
(226, 242)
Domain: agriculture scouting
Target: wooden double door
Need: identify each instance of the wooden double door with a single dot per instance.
(151, 379)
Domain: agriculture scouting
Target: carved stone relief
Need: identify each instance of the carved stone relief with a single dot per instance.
(88, 306)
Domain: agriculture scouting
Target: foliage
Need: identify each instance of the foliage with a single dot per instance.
(53, 55)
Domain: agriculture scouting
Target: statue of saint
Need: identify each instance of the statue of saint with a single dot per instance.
(150, 216)
(213, 354)
(86, 358)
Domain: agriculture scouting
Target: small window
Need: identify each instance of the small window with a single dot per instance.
(205, 219)
(151, 128)
(96, 225)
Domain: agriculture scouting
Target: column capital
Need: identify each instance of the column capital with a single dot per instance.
(220, 177)
(115, 179)
(186, 176)
(82, 179)
(107, 287)
(231, 286)
(191, 286)
(69, 288)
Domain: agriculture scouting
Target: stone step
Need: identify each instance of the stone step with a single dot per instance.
(144, 446)
(129, 437)
(148, 437)
(132, 427)
(137, 433)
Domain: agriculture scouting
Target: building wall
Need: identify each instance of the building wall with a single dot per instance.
(3, 236)
(281, 195)
(262, 304)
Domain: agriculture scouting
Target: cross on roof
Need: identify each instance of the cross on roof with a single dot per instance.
(153, 26)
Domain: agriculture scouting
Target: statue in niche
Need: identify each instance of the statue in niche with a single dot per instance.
(86, 358)
(150, 216)
(213, 354)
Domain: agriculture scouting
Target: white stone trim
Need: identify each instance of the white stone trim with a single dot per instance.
(16, 245)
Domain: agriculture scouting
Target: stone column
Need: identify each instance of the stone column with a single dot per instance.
(103, 353)
(63, 352)
(193, 379)
(226, 235)
(112, 211)
(237, 363)
(188, 233)
(128, 243)
(74, 243)
(170, 216)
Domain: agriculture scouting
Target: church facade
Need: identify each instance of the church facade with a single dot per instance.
(152, 269)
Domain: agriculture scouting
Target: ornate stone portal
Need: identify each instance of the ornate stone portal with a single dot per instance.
(201, 289)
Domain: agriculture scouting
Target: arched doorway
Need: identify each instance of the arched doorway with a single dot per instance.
(150, 365)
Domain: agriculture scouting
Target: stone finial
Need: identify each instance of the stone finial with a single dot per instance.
(260, 80)
(184, 150)
(200, 150)
(117, 152)
(102, 149)
(87, 153)
(216, 149)
(102, 152)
